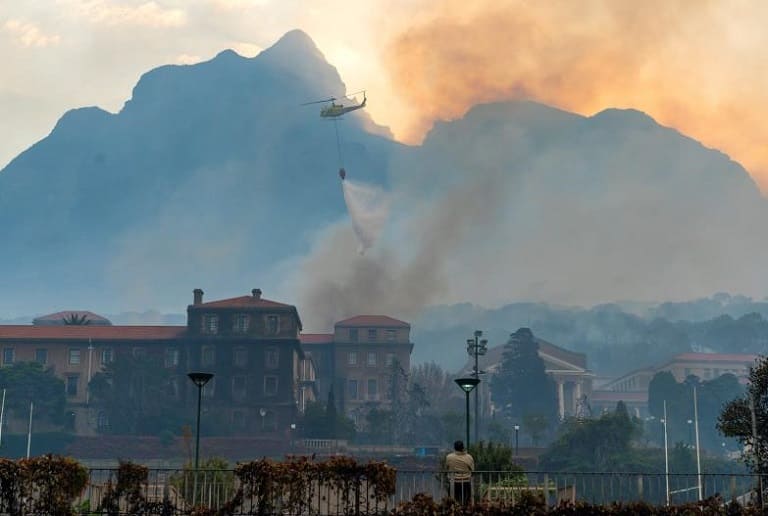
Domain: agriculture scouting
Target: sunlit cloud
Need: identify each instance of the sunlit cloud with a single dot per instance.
(186, 59)
(145, 14)
(30, 35)
(246, 49)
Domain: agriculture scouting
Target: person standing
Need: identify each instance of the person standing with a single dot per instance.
(460, 466)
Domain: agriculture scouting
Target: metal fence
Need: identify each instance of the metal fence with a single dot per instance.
(175, 492)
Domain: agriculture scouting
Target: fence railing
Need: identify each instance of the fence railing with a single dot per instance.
(175, 491)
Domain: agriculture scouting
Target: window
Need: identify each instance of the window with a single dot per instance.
(352, 389)
(107, 356)
(352, 358)
(238, 387)
(390, 335)
(211, 324)
(139, 353)
(390, 360)
(270, 385)
(269, 421)
(173, 388)
(171, 357)
(207, 356)
(41, 356)
(371, 359)
(272, 357)
(9, 354)
(373, 389)
(273, 324)
(241, 323)
(353, 336)
(371, 334)
(238, 419)
(209, 388)
(72, 385)
(74, 356)
(240, 357)
(102, 421)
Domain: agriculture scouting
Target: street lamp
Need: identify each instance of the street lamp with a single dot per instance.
(199, 379)
(475, 348)
(467, 384)
(517, 442)
(262, 413)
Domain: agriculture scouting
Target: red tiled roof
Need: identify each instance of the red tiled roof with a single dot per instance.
(243, 302)
(381, 321)
(713, 357)
(91, 332)
(316, 338)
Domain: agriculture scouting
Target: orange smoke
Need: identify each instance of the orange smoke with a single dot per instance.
(695, 65)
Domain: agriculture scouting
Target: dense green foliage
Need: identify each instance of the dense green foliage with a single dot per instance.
(27, 382)
(521, 388)
(138, 396)
(316, 423)
(712, 396)
(602, 444)
(736, 419)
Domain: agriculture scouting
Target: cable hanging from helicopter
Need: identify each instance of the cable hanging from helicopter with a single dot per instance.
(333, 111)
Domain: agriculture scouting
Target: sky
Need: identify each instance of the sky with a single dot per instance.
(699, 66)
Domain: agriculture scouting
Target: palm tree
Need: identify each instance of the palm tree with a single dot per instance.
(74, 319)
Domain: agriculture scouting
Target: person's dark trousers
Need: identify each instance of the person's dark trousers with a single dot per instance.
(462, 492)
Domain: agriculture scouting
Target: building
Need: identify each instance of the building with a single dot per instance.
(251, 345)
(632, 388)
(365, 362)
(567, 368)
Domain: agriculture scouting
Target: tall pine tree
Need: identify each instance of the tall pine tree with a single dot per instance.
(521, 388)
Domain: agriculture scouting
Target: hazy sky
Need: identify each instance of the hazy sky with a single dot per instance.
(700, 66)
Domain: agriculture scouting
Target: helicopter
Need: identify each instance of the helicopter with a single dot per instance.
(336, 110)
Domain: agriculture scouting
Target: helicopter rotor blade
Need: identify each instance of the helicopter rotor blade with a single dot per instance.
(329, 99)
(355, 93)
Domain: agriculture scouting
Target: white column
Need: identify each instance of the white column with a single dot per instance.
(561, 398)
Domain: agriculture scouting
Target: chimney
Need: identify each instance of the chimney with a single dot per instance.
(198, 299)
(256, 293)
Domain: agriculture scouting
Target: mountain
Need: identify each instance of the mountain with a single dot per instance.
(212, 175)
(209, 175)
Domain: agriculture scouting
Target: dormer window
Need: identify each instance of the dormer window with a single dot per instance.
(242, 321)
(211, 324)
(273, 324)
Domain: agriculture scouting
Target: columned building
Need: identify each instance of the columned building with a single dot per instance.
(567, 368)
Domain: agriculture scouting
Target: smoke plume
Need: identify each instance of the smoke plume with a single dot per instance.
(336, 282)
(696, 65)
(368, 207)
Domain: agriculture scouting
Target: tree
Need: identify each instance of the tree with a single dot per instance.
(76, 320)
(139, 396)
(27, 382)
(603, 444)
(522, 387)
(735, 420)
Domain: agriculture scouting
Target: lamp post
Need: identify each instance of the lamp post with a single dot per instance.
(517, 442)
(475, 348)
(690, 433)
(199, 379)
(262, 413)
(666, 453)
(467, 384)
